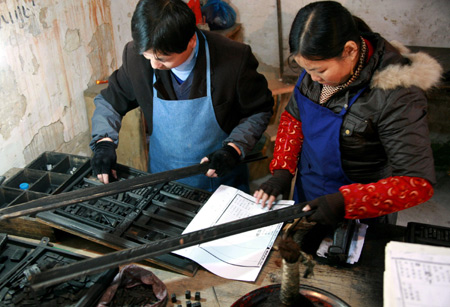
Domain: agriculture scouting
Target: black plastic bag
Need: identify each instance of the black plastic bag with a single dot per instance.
(219, 15)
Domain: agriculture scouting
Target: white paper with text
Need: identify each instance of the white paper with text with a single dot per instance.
(240, 256)
(416, 275)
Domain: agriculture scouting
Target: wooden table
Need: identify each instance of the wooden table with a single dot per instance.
(360, 284)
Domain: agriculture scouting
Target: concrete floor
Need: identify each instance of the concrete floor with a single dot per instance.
(436, 211)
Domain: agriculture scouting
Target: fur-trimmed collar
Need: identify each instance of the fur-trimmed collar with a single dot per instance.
(423, 72)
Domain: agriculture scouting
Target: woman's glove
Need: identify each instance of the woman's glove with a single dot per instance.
(104, 161)
(330, 209)
(223, 160)
(279, 183)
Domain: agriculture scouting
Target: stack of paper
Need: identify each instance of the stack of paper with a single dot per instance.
(240, 256)
(416, 275)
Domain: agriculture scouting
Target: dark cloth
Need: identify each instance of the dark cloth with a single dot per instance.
(385, 132)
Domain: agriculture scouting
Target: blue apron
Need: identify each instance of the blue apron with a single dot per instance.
(185, 131)
(319, 170)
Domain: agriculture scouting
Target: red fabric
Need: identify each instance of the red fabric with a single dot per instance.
(288, 144)
(385, 196)
(369, 50)
(194, 5)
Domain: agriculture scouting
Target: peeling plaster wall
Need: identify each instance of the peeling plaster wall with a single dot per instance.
(50, 52)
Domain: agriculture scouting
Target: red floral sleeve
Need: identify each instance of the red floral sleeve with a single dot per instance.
(385, 196)
(288, 144)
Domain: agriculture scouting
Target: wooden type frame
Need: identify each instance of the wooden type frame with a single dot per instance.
(129, 219)
(21, 256)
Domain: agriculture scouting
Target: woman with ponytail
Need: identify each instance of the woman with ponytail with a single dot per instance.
(355, 132)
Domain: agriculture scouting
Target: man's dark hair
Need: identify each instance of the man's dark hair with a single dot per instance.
(321, 29)
(163, 26)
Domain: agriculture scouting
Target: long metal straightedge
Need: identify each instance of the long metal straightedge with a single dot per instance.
(82, 195)
(112, 260)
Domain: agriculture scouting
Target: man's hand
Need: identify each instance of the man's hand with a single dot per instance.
(278, 184)
(104, 160)
(330, 209)
(222, 161)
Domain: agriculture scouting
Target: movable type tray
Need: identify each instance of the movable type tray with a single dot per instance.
(19, 259)
(8, 195)
(132, 218)
(50, 173)
(427, 234)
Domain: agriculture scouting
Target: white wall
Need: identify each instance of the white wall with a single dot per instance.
(122, 11)
(412, 22)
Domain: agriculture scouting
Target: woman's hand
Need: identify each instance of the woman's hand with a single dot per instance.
(329, 209)
(268, 191)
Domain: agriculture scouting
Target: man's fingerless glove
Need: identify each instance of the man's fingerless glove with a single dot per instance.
(105, 157)
(224, 160)
(279, 183)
